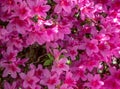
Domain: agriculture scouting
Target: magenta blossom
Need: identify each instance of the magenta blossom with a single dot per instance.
(63, 5)
(91, 47)
(69, 80)
(29, 80)
(95, 82)
(22, 10)
(12, 69)
(38, 7)
(9, 86)
(49, 79)
(60, 65)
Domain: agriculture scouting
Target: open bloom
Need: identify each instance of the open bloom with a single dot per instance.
(29, 80)
(94, 82)
(9, 86)
(111, 83)
(91, 47)
(8, 5)
(63, 5)
(22, 11)
(38, 7)
(49, 79)
(60, 66)
(11, 69)
(69, 80)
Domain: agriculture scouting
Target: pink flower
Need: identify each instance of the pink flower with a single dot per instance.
(38, 7)
(72, 52)
(116, 4)
(39, 71)
(56, 53)
(91, 63)
(91, 47)
(29, 79)
(102, 1)
(53, 81)
(63, 5)
(69, 80)
(12, 69)
(36, 36)
(3, 34)
(49, 35)
(8, 5)
(79, 72)
(104, 49)
(36, 87)
(61, 29)
(49, 79)
(10, 57)
(9, 86)
(111, 83)
(60, 65)
(115, 74)
(94, 82)
(21, 61)
(16, 24)
(87, 9)
(15, 44)
(22, 10)
(65, 86)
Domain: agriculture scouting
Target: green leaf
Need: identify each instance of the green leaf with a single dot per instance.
(50, 57)
(47, 62)
(49, 1)
(62, 56)
(69, 62)
(35, 18)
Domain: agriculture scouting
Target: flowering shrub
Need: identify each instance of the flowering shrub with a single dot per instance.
(59, 44)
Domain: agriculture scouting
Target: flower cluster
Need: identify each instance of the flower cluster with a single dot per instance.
(59, 44)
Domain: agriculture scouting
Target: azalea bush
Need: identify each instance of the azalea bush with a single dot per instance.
(59, 44)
